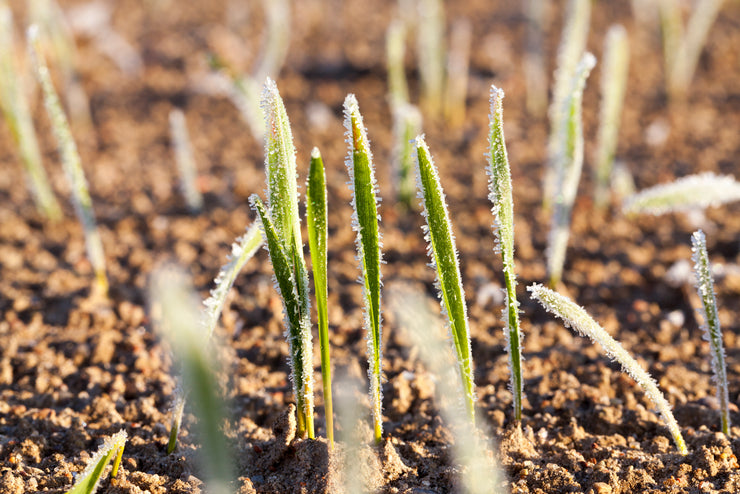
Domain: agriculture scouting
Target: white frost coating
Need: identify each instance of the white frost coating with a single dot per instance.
(684, 194)
(242, 250)
(711, 327)
(465, 365)
(116, 441)
(577, 318)
(352, 111)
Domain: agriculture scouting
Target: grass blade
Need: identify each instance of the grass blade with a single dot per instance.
(365, 222)
(185, 161)
(300, 360)
(14, 105)
(71, 164)
(684, 194)
(577, 318)
(111, 448)
(711, 328)
(174, 300)
(503, 212)
(569, 169)
(443, 253)
(317, 219)
(406, 126)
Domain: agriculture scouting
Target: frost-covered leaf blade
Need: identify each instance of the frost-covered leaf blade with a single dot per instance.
(443, 252)
(711, 328)
(89, 479)
(578, 319)
(501, 196)
(684, 194)
(365, 218)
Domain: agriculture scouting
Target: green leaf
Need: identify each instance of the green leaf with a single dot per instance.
(90, 478)
(503, 211)
(317, 218)
(365, 222)
(443, 253)
(577, 318)
(301, 363)
(711, 328)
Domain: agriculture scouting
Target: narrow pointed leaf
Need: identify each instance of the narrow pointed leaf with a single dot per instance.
(90, 478)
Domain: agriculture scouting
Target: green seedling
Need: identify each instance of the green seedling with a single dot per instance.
(406, 126)
(503, 212)
(71, 164)
(570, 51)
(578, 319)
(431, 53)
(282, 232)
(685, 194)
(111, 449)
(711, 328)
(185, 161)
(682, 50)
(613, 85)
(365, 222)
(443, 254)
(569, 166)
(535, 76)
(395, 51)
(14, 105)
(458, 62)
(175, 307)
(480, 474)
(317, 220)
(242, 250)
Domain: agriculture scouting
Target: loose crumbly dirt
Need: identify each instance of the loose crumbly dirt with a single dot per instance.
(73, 371)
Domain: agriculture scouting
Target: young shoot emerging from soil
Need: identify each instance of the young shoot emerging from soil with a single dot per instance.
(365, 222)
(577, 318)
(111, 449)
(711, 328)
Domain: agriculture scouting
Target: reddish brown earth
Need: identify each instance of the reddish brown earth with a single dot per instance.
(73, 372)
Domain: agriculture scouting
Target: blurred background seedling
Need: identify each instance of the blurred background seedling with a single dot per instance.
(365, 219)
(185, 161)
(537, 13)
(406, 125)
(71, 164)
(15, 107)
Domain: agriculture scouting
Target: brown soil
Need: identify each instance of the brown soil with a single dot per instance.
(72, 372)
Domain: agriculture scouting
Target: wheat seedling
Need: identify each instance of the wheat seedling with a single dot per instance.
(71, 164)
(578, 319)
(535, 77)
(711, 328)
(406, 126)
(458, 63)
(282, 232)
(365, 221)
(569, 166)
(317, 221)
(185, 161)
(570, 51)
(14, 105)
(431, 54)
(395, 50)
(613, 84)
(111, 449)
(685, 194)
(503, 211)
(175, 308)
(443, 254)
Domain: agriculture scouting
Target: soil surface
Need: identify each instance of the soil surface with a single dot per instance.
(74, 370)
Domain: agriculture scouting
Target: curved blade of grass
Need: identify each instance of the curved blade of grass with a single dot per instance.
(365, 222)
(712, 330)
(90, 478)
(14, 105)
(316, 213)
(500, 195)
(443, 254)
(577, 318)
(301, 362)
(174, 298)
(570, 167)
(684, 194)
(241, 251)
(71, 164)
